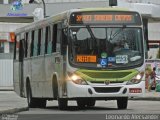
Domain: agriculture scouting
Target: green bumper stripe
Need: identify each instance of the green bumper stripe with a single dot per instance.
(102, 75)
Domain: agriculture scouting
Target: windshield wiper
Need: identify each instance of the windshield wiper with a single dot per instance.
(116, 33)
(91, 33)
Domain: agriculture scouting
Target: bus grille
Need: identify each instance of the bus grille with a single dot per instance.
(106, 74)
(107, 89)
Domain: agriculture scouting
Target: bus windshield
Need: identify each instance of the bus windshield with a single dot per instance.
(106, 47)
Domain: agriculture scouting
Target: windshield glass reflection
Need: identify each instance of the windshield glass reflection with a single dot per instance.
(105, 47)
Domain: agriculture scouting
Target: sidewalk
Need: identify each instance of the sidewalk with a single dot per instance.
(10, 102)
(152, 96)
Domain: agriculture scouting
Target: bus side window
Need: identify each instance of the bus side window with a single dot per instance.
(54, 37)
(43, 42)
(39, 41)
(16, 48)
(49, 46)
(21, 50)
(35, 45)
(64, 41)
(29, 45)
(26, 45)
(32, 44)
(46, 39)
(59, 37)
(21, 47)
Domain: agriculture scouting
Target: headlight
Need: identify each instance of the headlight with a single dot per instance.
(77, 79)
(137, 79)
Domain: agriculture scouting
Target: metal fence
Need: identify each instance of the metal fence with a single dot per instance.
(6, 70)
(6, 56)
(6, 73)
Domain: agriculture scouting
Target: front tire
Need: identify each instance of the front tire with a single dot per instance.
(34, 102)
(31, 101)
(122, 102)
(81, 104)
(91, 103)
(62, 103)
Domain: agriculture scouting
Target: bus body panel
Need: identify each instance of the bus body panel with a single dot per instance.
(40, 71)
(16, 77)
(38, 76)
(49, 70)
(52, 68)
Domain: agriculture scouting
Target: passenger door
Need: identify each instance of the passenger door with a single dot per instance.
(59, 59)
(18, 66)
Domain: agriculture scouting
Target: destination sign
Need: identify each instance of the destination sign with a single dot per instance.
(86, 58)
(105, 18)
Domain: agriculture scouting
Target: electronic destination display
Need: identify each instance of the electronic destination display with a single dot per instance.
(124, 18)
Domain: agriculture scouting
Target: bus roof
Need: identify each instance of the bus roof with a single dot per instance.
(63, 15)
(101, 9)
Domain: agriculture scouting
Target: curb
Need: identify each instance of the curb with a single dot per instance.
(14, 110)
(146, 98)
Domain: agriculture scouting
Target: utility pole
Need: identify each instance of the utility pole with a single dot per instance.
(44, 8)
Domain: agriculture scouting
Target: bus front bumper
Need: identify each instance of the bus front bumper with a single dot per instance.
(104, 91)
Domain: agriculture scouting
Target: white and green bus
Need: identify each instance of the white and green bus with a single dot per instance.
(83, 55)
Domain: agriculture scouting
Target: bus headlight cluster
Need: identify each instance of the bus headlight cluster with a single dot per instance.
(77, 79)
(137, 79)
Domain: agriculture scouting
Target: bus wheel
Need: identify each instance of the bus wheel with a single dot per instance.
(34, 102)
(41, 103)
(122, 102)
(81, 104)
(55, 89)
(30, 100)
(91, 103)
(62, 103)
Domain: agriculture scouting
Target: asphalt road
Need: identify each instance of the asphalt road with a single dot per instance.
(102, 111)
